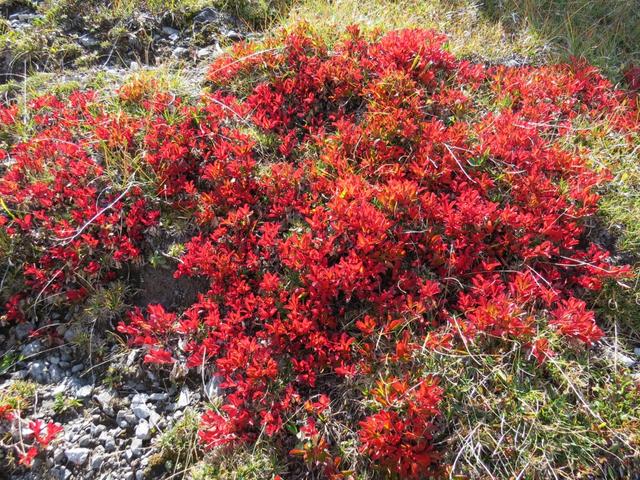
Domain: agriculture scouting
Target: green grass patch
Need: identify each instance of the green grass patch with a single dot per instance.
(470, 32)
(606, 33)
(576, 416)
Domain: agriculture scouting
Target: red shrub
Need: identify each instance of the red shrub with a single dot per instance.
(632, 77)
(71, 227)
(417, 210)
(394, 198)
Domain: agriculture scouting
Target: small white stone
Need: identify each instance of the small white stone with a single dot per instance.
(154, 418)
(620, 358)
(84, 392)
(158, 397)
(180, 52)
(77, 456)
(136, 447)
(204, 52)
(97, 461)
(143, 430)
(170, 32)
(184, 398)
(139, 398)
(140, 410)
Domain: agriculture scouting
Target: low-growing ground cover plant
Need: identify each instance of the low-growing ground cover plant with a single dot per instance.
(23, 436)
(365, 215)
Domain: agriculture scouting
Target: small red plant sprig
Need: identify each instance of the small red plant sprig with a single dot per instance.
(398, 436)
(27, 437)
(632, 77)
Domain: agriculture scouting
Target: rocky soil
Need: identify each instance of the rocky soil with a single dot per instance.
(35, 42)
(115, 415)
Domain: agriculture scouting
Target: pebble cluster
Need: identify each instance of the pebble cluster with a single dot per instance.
(110, 433)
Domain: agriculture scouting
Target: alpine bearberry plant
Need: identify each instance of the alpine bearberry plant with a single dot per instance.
(27, 437)
(21, 437)
(68, 226)
(357, 208)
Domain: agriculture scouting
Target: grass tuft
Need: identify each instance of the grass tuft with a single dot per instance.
(606, 33)
(576, 416)
(470, 32)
